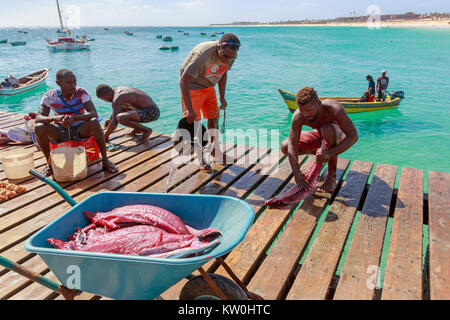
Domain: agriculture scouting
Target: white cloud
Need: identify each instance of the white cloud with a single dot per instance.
(306, 5)
(194, 4)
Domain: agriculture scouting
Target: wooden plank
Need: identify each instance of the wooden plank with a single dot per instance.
(403, 275)
(272, 276)
(365, 250)
(201, 178)
(182, 173)
(439, 230)
(244, 258)
(233, 173)
(314, 278)
(254, 176)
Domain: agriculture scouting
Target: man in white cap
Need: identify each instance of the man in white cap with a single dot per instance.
(382, 84)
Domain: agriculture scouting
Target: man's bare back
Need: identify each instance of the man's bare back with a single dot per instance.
(131, 98)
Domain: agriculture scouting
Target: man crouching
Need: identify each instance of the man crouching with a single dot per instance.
(331, 122)
(75, 119)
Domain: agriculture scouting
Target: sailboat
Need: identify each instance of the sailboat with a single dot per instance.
(66, 42)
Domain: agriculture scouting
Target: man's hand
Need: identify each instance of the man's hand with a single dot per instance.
(301, 181)
(107, 122)
(323, 157)
(67, 121)
(191, 116)
(223, 103)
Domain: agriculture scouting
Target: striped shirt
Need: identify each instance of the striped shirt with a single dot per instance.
(55, 101)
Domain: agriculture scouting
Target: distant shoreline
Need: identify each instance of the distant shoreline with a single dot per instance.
(383, 24)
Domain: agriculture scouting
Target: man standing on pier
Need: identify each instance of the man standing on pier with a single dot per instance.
(332, 124)
(207, 65)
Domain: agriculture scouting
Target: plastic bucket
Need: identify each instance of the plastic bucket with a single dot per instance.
(69, 164)
(17, 163)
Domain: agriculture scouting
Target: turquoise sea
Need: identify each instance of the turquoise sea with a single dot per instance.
(334, 60)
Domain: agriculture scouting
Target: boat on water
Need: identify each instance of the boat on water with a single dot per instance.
(203, 33)
(18, 43)
(66, 42)
(128, 33)
(106, 29)
(164, 48)
(159, 36)
(219, 32)
(167, 38)
(213, 35)
(26, 83)
(21, 31)
(186, 33)
(174, 48)
(4, 41)
(351, 104)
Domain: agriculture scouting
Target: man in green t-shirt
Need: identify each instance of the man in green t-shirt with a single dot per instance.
(207, 65)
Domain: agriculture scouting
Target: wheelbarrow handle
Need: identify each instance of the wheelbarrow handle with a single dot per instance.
(55, 186)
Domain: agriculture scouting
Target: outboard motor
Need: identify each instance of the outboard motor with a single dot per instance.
(398, 94)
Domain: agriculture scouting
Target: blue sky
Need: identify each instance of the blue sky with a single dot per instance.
(197, 12)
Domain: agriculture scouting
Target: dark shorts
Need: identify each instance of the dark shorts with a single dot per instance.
(149, 114)
(69, 134)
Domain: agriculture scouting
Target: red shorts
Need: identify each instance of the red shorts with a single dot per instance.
(312, 140)
(204, 100)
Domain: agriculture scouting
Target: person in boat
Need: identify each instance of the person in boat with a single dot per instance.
(369, 94)
(6, 84)
(382, 85)
(207, 65)
(330, 122)
(131, 108)
(13, 81)
(75, 119)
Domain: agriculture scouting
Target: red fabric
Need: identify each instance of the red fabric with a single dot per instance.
(310, 140)
(371, 98)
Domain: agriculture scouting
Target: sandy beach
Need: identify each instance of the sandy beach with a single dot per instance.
(383, 24)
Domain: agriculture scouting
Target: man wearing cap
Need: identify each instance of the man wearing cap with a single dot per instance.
(382, 84)
(207, 65)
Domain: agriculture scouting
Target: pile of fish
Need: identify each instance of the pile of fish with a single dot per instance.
(143, 230)
(10, 190)
(297, 194)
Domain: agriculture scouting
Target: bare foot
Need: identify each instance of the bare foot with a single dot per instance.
(109, 166)
(328, 186)
(133, 133)
(144, 136)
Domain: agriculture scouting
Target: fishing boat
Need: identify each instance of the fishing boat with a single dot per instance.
(203, 33)
(26, 83)
(106, 29)
(21, 31)
(66, 42)
(351, 104)
(167, 38)
(213, 35)
(186, 33)
(164, 48)
(159, 36)
(4, 41)
(18, 43)
(174, 48)
(128, 33)
(219, 32)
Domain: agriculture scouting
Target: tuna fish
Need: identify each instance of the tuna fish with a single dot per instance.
(139, 230)
(297, 194)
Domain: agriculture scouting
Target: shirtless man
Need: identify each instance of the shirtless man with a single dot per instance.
(131, 107)
(331, 123)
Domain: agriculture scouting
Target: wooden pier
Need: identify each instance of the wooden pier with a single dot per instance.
(384, 233)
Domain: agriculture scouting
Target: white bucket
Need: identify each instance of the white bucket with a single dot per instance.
(69, 164)
(17, 163)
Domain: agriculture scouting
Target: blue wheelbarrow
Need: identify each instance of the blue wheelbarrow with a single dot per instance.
(137, 277)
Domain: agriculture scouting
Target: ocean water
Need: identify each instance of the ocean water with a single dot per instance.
(333, 60)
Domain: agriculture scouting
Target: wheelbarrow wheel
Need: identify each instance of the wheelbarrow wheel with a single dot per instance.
(199, 289)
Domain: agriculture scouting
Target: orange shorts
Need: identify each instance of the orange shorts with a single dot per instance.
(204, 100)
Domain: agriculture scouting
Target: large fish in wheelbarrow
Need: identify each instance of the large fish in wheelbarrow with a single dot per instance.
(140, 230)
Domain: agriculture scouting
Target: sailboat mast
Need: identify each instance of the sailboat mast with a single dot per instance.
(59, 13)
